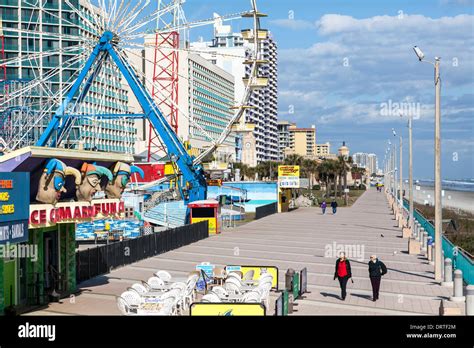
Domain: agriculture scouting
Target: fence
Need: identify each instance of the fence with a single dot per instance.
(102, 259)
(265, 210)
(460, 261)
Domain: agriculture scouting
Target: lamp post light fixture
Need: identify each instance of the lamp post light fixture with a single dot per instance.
(410, 170)
(437, 167)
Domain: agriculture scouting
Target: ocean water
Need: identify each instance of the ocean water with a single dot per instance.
(450, 185)
(86, 230)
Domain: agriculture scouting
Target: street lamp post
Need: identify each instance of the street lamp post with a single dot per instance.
(410, 169)
(437, 167)
(400, 173)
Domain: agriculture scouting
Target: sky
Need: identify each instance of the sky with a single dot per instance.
(348, 67)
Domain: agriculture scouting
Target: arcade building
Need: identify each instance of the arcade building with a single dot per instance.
(44, 192)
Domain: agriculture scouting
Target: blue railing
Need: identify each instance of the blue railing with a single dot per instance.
(461, 261)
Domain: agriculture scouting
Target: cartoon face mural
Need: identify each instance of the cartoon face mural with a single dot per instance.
(121, 173)
(91, 175)
(52, 181)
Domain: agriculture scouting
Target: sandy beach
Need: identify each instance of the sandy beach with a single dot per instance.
(452, 199)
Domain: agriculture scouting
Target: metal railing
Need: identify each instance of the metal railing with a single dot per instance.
(265, 210)
(100, 260)
(461, 259)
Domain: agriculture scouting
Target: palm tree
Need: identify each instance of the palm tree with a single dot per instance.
(293, 159)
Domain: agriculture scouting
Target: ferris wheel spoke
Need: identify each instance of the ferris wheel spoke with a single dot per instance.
(18, 59)
(136, 11)
(50, 13)
(121, 16)
(54, 72)
(77, 12)
(41, 116)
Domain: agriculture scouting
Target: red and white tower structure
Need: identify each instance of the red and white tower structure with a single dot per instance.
(169, 30)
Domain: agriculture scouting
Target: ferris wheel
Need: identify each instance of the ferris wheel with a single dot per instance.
(55, 40)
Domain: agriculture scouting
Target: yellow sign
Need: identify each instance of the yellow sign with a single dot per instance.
(227, 309)
(257, 271)
(214, 182)
(211, 225)
(293, 171)
(288, 176)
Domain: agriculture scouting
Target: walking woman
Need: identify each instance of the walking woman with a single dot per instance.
(343, 273)
(323, 207)
(376, 270)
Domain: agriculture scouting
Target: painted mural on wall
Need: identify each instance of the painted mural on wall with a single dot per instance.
(122, 173)
(88, 181)
(52, 181)
(57, 204)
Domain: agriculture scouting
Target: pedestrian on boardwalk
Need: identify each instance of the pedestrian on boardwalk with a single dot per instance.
(334, 206)
(376, 270)
(343, 273)
(323, 207)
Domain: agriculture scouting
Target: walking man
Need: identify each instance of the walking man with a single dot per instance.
(323, 207)
(376, 270)
(343, 273)
(334, 206)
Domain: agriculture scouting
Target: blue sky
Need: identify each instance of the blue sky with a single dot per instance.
(342, 62)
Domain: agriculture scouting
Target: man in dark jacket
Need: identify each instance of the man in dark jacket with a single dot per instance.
(376, 270)
(343, 273)
(334, 206)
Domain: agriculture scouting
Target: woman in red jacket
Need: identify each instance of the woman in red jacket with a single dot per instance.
(343, 273)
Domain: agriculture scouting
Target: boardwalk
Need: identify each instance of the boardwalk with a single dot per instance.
(296, 240)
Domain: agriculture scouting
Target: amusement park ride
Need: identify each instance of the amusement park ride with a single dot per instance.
(117, 24)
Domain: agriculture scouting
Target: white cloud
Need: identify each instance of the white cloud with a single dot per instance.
(357, 64)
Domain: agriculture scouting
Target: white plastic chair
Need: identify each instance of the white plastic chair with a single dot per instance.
(249, 275)
(220, 291)
(233, 288)
(189, 292)
(177, 296)
(156, 283)
(211, 297)
(123, 306)
(252, 297)
(139, 288)
(264, 290)
(163, 275)
(234, 275)
(235, 281)
(132, 298)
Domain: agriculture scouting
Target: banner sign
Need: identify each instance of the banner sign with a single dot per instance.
(14, 196)
(13, 232)
(304, 182)
(45, 215)
(289, 176)
(227, 309)
(257, 271)
(14, 207)
(207, 268)
(214, 182)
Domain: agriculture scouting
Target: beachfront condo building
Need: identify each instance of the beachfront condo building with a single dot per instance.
(205, 101)
(296, 141)
(366, 160)
(229, 50)
(53, 25)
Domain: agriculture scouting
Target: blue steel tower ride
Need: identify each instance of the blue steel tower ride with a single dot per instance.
(193, 186)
